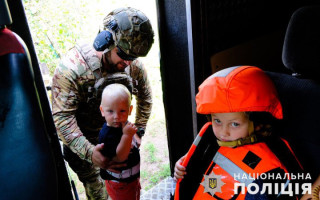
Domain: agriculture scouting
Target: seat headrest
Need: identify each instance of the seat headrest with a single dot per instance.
(301, 49)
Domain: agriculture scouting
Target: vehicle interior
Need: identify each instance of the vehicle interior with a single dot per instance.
(197, 38)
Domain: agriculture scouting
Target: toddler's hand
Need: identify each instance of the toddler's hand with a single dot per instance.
(179, 170)
(129, 129)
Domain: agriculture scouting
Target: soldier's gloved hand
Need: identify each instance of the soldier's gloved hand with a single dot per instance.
(97, 157)
(102, 161)
(138, 139)
(140, 132)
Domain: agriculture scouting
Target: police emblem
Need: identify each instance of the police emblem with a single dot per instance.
(212, 183)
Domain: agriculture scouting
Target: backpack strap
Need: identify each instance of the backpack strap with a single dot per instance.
(90, 57)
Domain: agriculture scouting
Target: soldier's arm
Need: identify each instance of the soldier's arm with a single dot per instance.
(65, 99)
(144, 96)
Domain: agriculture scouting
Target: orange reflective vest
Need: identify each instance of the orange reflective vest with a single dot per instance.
(236, 165)
(240, 165)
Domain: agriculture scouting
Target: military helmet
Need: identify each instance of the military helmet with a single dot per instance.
(131, 31)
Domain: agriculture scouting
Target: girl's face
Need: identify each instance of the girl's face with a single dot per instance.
(230, 126)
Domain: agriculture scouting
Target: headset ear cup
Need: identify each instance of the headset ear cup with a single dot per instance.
(103, 41)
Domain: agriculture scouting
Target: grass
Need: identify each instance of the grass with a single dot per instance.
(79, 186)
(151, 149)
(156, 177)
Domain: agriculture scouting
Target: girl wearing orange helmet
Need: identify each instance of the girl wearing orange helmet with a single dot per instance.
(242, 101)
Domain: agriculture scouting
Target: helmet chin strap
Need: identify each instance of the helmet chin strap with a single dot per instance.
(252, 138)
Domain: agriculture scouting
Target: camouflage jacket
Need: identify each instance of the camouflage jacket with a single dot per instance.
(76, 112)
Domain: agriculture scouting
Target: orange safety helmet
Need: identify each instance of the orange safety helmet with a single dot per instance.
(238, 89)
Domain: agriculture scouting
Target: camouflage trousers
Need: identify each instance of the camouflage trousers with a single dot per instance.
(88, 174)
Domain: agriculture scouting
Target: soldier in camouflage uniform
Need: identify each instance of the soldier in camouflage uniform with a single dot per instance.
(78, 83)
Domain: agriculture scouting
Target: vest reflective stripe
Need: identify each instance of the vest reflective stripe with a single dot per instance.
(190, 153)
(232, 168)
(197, 140)
(224, 73)
(235, 165)
(195, 143)
(89, 55)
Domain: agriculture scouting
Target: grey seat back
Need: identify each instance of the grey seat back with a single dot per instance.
(300, 92)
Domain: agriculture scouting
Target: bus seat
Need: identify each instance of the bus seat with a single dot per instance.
(27, 169)
(300, 92)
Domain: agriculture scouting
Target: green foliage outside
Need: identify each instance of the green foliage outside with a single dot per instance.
(57, 24)
(151, 149)
(156, 177)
